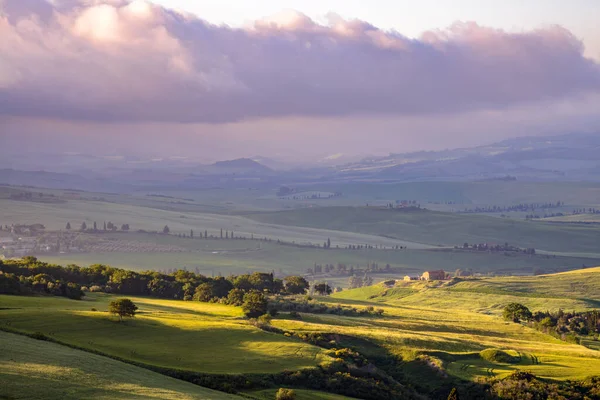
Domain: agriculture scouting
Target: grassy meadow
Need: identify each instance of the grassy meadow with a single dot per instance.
(193, 336)
(437, 328)
(34, 369)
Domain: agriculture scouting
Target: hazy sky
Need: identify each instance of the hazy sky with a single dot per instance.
(293, 79)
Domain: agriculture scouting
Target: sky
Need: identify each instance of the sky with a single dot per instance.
(295, 80)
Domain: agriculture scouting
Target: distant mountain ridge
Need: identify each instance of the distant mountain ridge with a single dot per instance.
(565, 157)
(242, 163)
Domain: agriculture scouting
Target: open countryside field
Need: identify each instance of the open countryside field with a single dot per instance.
(193, 336)
(32, 368)
(454, 325)
(214, 256)
(437, 328)
(56, 216)
(442, 229)
(461, 194)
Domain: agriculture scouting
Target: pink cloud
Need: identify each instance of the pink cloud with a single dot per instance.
(132, 61)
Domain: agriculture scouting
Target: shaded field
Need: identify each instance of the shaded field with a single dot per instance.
(241, 256)
(468, 193)
(193, 336)
(438, 228)
(32, 368)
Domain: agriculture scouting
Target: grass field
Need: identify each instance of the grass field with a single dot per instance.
(34, 369)
(437, 228)
(433, 326)
(455, 323)
(193, 336)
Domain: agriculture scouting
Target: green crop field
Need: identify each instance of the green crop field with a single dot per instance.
(438, 228)
(186, 335)
(34, 369)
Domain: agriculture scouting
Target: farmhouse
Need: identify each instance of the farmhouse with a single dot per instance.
(433, 275)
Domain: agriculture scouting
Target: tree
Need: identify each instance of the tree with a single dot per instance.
(122, 308)
(516, 312)
(68, 227)
(83, 226)
(105, 225)
(125, 227)
(166, 230)
(322, 289)
(328, 243)
(255, 304)
(192, 233)
(285, 394)
(235, 297)
(95, 227)
(296, 285)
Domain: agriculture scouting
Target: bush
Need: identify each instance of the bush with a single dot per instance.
(498, 356)
(96, 289)
(285, 394)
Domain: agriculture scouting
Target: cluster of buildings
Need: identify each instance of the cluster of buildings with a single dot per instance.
(438, 275)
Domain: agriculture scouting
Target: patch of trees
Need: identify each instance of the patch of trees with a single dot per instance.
(516, 312)
(106, 227)
(568, 325)
(341, 269)
(522, 385)
(36, 197)
(29, 276)
(356, 281)
(295, 306)
(38, 284)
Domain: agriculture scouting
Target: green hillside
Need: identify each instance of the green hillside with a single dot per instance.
(439, 228)
(193, 336)
(34, 369)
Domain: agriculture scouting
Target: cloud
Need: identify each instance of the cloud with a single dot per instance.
(128, 61)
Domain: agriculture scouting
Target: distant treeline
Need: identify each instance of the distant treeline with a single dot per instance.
(181, 284)
(524, 207)
(496, 248)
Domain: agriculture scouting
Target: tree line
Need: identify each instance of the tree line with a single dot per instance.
(523, 207)
(568, 326)
(251, 291)
(496, 248)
